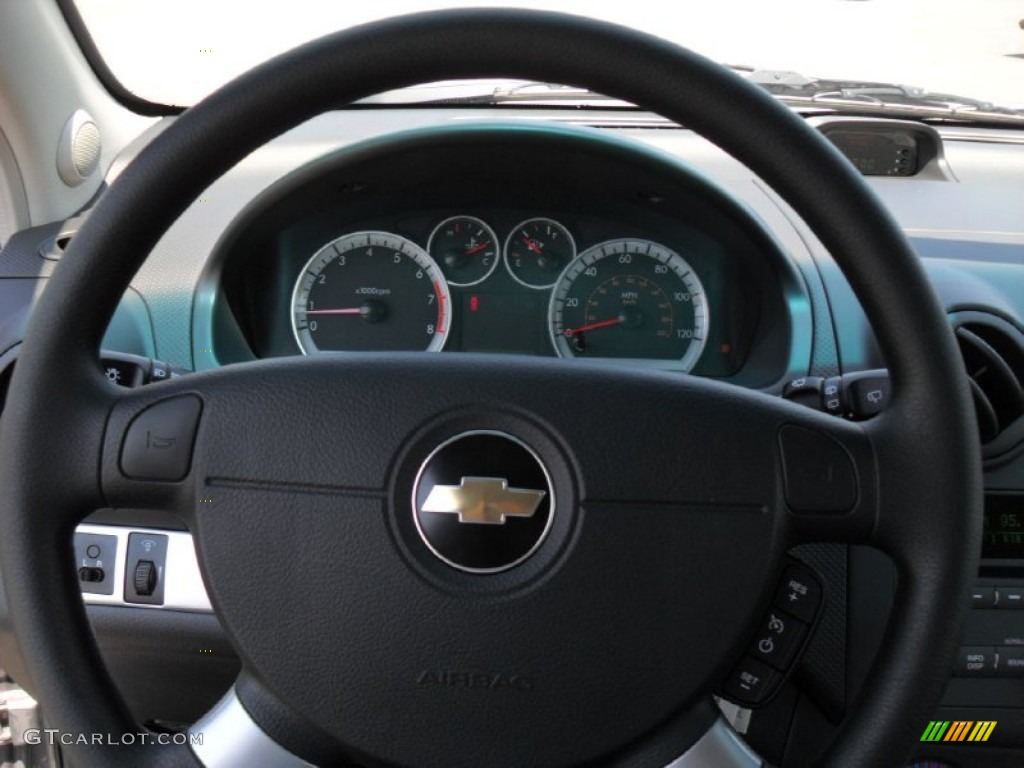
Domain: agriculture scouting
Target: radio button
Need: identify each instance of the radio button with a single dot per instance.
(1010, 597)
(983, 597)
(975, 661)
(1011, 662)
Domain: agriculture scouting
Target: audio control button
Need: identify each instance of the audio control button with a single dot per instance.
(983, 597)
(975, 661)
(1011, 661)
(1010, 597)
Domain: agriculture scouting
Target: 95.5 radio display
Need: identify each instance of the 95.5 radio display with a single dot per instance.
(1004, 527)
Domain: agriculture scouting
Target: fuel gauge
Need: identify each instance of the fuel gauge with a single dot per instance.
(537, 251)
(465, 248)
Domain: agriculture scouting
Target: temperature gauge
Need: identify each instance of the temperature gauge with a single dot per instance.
(465, 248)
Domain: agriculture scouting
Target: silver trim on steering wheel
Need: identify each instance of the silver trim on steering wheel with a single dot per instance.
(719, 747)
(227, 737)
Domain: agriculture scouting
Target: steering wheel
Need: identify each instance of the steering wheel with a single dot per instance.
(603, 642)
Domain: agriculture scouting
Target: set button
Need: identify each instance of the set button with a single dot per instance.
(751, 682)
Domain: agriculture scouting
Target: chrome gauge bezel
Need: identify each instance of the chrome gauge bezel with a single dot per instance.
(499, 251)
(647, 249)
(508, 242)
(330, 251)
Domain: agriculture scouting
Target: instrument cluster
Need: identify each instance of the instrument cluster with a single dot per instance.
(628, 299)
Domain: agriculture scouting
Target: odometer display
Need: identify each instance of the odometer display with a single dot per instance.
(631, 300)
(371, 291)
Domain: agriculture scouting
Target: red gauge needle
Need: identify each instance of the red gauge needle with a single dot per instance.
(533, 245)
(349, 311)
(593, 326)
(477, 248)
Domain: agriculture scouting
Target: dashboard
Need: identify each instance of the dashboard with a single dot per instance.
(672, 255)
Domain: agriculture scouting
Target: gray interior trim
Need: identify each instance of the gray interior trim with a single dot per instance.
(13, 203)
(227, 737)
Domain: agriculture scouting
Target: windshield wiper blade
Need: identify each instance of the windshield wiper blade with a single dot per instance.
(493, 93)
(855, 97)
(867, 97)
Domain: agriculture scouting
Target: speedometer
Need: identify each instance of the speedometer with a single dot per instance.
(629, 299)
(371, 291)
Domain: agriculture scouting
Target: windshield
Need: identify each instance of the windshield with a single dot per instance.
(176, 51)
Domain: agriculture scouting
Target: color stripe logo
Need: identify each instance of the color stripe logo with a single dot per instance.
(958, 730)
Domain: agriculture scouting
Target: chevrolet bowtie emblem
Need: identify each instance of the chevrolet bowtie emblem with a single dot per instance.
(483, 500)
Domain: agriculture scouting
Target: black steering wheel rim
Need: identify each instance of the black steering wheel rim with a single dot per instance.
(935, 561)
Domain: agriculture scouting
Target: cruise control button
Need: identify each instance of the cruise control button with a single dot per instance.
(751, 682)
(975, 661)
(799, 593)
(158, 443)
(983, 597)
(778, 639)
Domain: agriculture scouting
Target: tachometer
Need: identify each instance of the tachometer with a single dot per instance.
(371, 291)
(629, 299)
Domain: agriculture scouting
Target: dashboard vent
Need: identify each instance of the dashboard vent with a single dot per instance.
(993, 353)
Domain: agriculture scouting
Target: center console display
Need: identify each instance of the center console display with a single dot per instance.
(1003, 536)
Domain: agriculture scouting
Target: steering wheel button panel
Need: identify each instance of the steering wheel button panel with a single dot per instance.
(158, 443)
(778, 639)
(819, 473)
